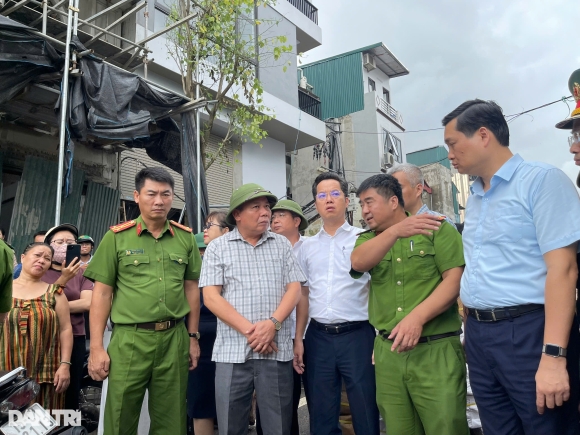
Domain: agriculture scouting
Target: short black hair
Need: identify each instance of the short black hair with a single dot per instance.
(474, 114)
(39, 233)
(33, 244)
(330, 176)
(386, 186)
(155, 174)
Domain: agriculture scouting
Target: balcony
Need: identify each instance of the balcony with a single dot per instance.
(388, 110)
(309, 103)
(306, 8)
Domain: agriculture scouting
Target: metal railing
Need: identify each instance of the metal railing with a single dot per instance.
(309, 103)
(388, 110)
(306, 8)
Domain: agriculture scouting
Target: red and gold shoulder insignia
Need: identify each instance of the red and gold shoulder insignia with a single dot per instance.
(123, 226)
(183, 227)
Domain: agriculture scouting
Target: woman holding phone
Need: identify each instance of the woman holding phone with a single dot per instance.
(78, 291)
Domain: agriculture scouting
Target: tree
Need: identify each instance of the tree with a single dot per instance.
(224, 39)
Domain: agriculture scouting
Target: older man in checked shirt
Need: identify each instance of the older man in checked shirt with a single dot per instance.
(252, 281)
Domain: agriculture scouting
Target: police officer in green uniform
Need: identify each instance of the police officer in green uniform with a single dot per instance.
(151, 266)
(415, 265)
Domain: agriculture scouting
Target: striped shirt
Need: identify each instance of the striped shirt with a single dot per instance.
(253, 280)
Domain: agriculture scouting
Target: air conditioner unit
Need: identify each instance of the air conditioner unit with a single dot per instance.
(387, 161)
(369, 61)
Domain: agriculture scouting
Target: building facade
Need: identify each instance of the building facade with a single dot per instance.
(103, 174)
(362, 124)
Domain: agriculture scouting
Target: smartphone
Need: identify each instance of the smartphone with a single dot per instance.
(72, 251)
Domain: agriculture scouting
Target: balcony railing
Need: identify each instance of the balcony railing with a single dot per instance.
(306, 8)
(388, 110)
(309, 103)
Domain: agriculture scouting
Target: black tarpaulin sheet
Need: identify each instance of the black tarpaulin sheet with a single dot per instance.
(107, 103)
(23, 58)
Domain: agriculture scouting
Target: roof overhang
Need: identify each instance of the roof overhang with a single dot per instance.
(386, 61)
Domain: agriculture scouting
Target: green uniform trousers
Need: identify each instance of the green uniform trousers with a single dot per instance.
(422, 391)
(142, 359)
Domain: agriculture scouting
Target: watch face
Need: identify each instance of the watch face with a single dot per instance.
(552, 350)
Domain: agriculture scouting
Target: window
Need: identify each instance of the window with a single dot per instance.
(386, 96)
(392, 144)
(372, 86)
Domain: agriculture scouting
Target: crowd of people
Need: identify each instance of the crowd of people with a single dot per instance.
(252, 307)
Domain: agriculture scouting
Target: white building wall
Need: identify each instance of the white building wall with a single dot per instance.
(265, 166)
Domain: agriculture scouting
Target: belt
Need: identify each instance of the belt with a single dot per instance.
(503, 313)
(337, 328)
(426, 339)
(158, 326)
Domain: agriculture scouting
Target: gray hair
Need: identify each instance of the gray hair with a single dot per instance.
(413, 173)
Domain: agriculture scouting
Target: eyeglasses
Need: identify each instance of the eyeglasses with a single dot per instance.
(61, 241)
(278, 214)
(574, 139)
(323, 195)
(208, 225)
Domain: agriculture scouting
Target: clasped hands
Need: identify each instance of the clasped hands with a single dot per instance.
(261, 337)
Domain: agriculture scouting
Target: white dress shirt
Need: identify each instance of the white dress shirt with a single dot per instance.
(335, 297)
(296, 249)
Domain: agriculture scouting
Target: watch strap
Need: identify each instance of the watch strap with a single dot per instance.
(194, 335)
(554, 350)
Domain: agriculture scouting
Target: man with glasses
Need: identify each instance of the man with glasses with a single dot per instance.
(251, 282)
(519, 285)
(339, 342)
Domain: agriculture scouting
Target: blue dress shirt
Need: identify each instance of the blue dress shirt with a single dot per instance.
(530, 209)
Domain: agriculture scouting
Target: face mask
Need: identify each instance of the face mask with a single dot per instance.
(59, 253)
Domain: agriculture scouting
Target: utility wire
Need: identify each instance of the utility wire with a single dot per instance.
(512, 117)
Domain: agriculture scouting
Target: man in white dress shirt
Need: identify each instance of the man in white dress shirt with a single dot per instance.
(339, 341)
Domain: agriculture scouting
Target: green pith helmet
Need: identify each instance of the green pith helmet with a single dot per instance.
(244, 194)
(289, 205)
(85, 239)
(199, 241)
(574, 87)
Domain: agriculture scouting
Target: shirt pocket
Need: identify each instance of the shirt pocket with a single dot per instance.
(421, 261)
(272, 274)
(136, 266)
(380, 273)
(177, 264)
(505, 225)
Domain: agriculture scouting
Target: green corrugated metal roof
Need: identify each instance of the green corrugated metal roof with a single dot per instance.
(338, 81)
(430, 155)
(348, 53)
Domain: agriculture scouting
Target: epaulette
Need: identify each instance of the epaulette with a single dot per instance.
(183, 227)
(123, 226)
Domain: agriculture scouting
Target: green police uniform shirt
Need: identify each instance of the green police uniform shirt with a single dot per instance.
(6, 266)
(408, 274)
(147, 274)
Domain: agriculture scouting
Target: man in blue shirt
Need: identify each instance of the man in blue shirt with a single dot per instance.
(519, 285)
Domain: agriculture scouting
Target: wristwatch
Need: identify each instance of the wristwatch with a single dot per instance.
(553, 350)
(194, 335)
(277, 325)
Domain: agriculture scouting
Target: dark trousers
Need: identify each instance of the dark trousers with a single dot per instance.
(296, 392)
(503, 358)
(77, 359)
(331, 359)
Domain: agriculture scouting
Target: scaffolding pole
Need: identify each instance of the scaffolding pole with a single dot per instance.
(72, 7)
(197, 144)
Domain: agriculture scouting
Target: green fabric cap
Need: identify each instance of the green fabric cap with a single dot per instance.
(199, 240)
(246, 193)
(294, 207)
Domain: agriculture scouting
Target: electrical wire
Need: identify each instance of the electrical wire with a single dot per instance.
(512, 117)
